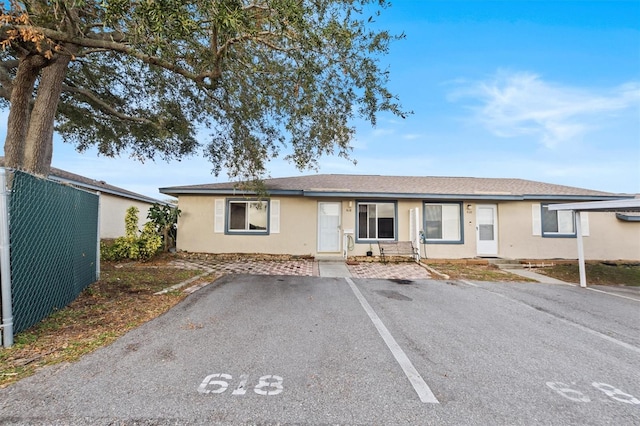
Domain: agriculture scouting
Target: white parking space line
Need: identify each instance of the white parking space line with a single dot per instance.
(578, 326)
(601, 335)
(423, 391)
(613, 294)
(573, 285)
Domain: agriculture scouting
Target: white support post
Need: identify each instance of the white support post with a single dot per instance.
(345, 242)
(5, 265)
(414, 230)
(346, 234)
(581, 264)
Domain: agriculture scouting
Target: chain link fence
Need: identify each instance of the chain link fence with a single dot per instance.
(53, 247)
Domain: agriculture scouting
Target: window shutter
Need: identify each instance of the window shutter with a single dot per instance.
(536, 219)
(274, 225)
(584, 223)
(218, 220)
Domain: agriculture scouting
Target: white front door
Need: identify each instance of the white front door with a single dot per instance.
(328, 227)
(487, 229)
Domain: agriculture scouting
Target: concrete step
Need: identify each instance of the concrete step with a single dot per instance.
(329, 258)
(506, 263)
(329, 268)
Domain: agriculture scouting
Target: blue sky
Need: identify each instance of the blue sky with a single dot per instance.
(547, 91)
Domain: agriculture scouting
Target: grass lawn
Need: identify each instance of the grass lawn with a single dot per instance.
(597, 273)
(122, 300)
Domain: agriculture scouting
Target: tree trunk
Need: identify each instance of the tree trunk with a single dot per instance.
(19, 113)
(38, 147)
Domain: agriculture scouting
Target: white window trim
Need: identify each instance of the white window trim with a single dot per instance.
(536, 212)
(219, 217)
(395, 221)
(459, 239)
(227, 228)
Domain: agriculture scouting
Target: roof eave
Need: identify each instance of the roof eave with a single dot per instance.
(176, 191)
(224, 191)
(409, 196)
(106, 190)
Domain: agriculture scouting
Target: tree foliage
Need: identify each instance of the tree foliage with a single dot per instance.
(145, 76)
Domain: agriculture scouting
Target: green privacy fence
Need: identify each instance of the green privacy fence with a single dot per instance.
(53, 231)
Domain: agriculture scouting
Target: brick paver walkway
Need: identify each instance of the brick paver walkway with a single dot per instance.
(304, 267)
(253, 267)
(403, 270)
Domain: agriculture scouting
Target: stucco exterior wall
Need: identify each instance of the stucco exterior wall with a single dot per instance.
(609, 238)
(517, 240)
(113, 210)
(297, 236)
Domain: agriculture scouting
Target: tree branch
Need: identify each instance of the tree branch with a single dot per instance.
(93, 98)
(259, 37)
(91, 42)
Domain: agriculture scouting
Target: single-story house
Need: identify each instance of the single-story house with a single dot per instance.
(114, 201)
(446, 217)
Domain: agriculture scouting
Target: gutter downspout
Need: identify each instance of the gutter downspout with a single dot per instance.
(5, 264)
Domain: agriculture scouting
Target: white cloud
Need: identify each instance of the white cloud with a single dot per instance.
(411, 136)
(378, 132)
(522, 103)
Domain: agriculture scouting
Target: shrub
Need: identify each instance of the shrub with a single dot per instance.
(133, 246)
(165, 220)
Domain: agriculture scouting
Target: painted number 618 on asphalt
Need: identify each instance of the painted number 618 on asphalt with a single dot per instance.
(219, 383)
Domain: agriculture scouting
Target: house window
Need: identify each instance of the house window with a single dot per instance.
(247, 216)
(377, 221)
(558, 223)
(443, 222)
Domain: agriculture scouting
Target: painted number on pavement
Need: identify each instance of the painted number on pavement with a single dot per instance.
(219, 383)
(577, 396)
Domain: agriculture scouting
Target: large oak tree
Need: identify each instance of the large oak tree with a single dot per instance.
(145, 77)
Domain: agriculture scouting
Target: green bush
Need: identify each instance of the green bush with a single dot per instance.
(133, 246)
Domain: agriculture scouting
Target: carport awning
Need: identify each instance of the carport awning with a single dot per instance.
(620, 206)
(629, 205)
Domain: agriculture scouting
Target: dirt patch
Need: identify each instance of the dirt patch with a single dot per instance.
(476, 271)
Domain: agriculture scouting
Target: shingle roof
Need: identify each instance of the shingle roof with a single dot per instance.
(97, 185)
(93, 185)
(401, 187)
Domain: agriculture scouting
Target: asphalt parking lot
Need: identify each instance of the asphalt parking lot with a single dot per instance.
(307, 350)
